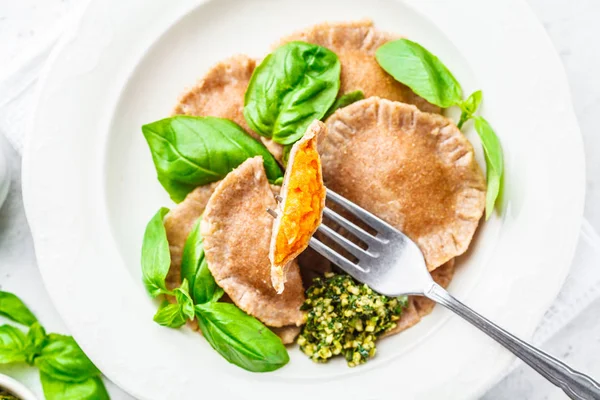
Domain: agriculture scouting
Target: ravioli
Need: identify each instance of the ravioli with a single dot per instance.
(301, 208)
(237, 233)
(178, 224)
(415, 170)
(355, 44)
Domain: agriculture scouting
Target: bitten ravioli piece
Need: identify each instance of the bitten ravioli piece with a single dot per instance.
(237, 232)
(301, 208)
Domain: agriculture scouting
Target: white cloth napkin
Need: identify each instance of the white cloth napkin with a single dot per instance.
(16, 103)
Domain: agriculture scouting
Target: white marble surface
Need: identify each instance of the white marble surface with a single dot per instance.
(572, 25)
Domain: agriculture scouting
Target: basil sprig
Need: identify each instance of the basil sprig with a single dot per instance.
(65, 371)
(413, 65)
(193, 151)
(294, 85)
(239, 338)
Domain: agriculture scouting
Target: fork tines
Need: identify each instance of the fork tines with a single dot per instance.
(373, 242)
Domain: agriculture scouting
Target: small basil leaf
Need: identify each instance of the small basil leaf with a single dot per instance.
(413, 65)
(14, 309)
(156, 258)
(343, 101)
(12, 345)
(88, 389)
(193, 151)
(493, 160)
(194, 269)
(471, 104)
(169, 315)
(184, 300)
(291, 87)
(62, 358)
(469, 107)
(175, 315)
(35, 341)
(241, 339)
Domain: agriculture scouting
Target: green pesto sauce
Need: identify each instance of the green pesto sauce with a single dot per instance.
(345, 318)
(4, 395)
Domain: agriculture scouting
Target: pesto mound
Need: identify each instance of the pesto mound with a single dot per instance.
(345, 318)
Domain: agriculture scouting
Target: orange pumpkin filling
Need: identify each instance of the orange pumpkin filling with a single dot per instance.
(301, 213)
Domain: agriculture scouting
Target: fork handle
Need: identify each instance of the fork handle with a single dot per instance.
(575, 384)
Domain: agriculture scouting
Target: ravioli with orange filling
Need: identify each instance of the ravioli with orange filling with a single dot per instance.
(237, 231)
(301, 207)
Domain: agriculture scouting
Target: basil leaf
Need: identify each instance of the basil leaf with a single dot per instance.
(12, 345)
(89, 389)
(156, 258)
(413, 65)
(193, 151)
(184, 300)
(343, 101)
(175, 315)
(14, 309)
(62, 358)
(471, 104)
(493, 160)
(170, 315)
(469, 107)
(291, 87)
(241, 339)
(194, 269)
(34, 342)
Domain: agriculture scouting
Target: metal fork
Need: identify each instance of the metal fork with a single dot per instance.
(393, 265)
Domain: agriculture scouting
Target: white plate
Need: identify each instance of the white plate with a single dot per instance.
(90, 188)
